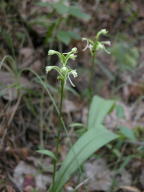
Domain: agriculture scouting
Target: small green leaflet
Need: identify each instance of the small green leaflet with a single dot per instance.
(47, 152)
(128, 133)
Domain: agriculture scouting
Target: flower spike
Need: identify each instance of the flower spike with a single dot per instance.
(64, 71)
(96, 45)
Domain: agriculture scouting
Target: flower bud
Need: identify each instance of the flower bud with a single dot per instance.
(74, 50)
(103, 32)
(51, 52)
(49, 68)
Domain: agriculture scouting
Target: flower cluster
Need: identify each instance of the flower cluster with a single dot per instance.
(64, 70)
(96, 45)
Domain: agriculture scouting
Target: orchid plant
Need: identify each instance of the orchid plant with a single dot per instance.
(95, 45)
(96, 135)
(64, 72)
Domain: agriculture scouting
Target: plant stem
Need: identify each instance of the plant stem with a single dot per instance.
(62, 96)
(59, 131)
(91, 77)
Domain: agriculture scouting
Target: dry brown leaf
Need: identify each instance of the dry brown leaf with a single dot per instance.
(7, 80)
(26, 52)
(142, 178)
(37, 66)
(26, 55)
(100, 177)
(69, 106)
(29, 183)
(10, 188)
(32, 174)
(30, 58)
(140, 8)
(130, 189)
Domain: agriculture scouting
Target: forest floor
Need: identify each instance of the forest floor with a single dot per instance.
(27, 116)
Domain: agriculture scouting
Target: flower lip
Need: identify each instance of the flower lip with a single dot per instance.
(72, 56)
(106, 42)
(74, 73)
(87, 43)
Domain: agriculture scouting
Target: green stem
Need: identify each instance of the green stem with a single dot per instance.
(59, 131)
(91, 77)
(62, 96)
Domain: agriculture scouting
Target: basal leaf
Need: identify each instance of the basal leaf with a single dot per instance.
(87, 144)
(98, 110)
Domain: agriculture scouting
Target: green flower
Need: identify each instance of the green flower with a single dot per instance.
(64, 71)
(97, 45)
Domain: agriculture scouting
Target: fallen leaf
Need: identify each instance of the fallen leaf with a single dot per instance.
(142, 178)
(130, 189)
(100, 177)
(69, 106)
(7, 80)
(26, 175)
(29, 183)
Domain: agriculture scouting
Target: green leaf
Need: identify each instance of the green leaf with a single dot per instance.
(128, 133)
(74, 35)
(60, 8)
(125, 55)
(77, 12)
(67, 36)
(40, 20)
(91, 141)
(120, 111)
(64, 37)
(47, 152)
(98, 110)
(44, 4)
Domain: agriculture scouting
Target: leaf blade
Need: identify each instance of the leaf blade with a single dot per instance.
(98, 110)
(47, 152)
(81, 150)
